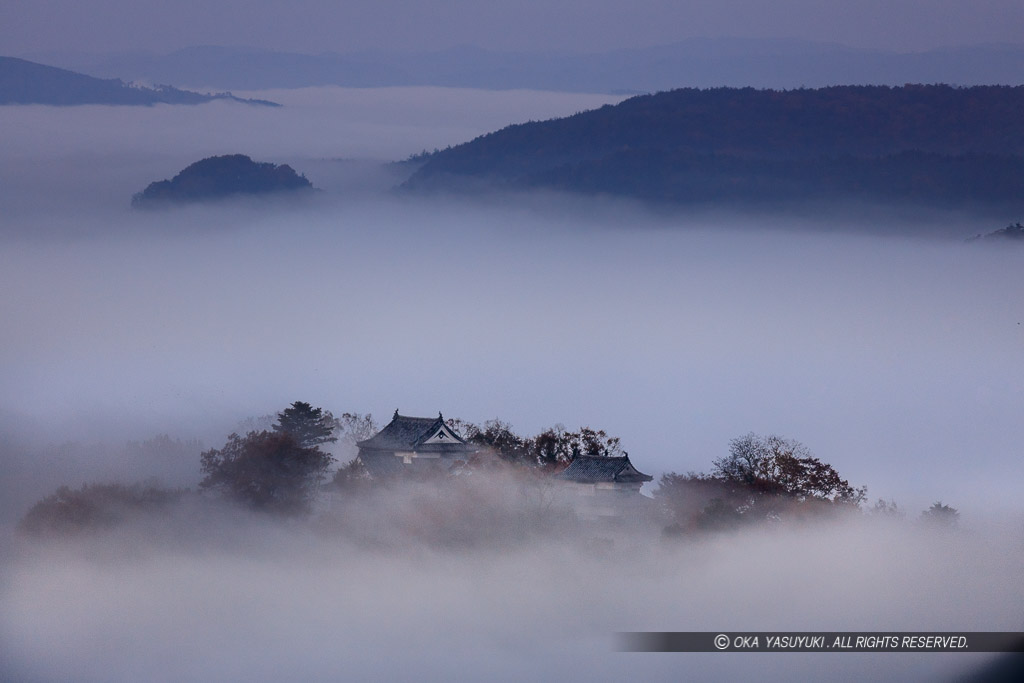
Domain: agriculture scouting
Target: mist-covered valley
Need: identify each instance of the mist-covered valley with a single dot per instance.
(263, 600)
(133, 340)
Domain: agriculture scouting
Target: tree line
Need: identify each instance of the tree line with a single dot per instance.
(282, 470)
(769, 479)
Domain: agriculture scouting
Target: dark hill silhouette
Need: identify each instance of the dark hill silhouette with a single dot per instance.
(1013, 232)
(912, 143)
(221, 177)
(24, 82)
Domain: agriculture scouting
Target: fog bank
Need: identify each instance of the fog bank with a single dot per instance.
(279, 602)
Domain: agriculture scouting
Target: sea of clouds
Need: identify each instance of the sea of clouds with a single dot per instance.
(881, 341)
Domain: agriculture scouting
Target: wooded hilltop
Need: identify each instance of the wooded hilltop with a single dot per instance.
(935, 145)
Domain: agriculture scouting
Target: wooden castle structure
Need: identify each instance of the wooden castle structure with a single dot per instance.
(413, 445)
(594, 486)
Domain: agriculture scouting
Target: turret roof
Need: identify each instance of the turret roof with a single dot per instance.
(405, 433)
(591, 469)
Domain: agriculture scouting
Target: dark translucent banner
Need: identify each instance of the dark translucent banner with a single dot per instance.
(820, 641)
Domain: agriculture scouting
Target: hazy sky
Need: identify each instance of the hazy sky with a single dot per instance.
(579, 25)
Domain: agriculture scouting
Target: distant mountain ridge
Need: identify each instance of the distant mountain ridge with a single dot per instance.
(697, 62)
(25, 82)
(922, 144)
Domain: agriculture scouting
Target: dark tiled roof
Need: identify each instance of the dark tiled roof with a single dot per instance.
(406, 433)
(590, 469)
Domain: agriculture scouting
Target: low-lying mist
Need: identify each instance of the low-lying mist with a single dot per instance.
(377, 587)
(132, 340)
